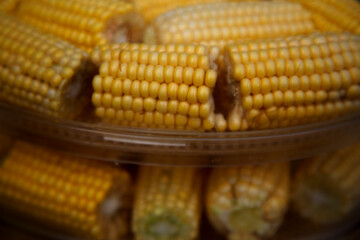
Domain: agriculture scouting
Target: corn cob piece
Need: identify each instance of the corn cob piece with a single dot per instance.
(159, 86)
(294, 80)
(218, 24)
(78, 196)
(326, 188)
(334, 15)
(8, 6)
(167, 203)
(84, 23)
(248, 202)
(150, 9)
(41, 72)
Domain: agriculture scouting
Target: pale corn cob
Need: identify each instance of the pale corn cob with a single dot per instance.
(8, 6)
(248, 202)
(84, 23)
(159, 86)
(326, 188)
(167, 203)
(150, 9)
(78, 196)
(288, 81)
(41, 72)
(334, 15)
(218, 24)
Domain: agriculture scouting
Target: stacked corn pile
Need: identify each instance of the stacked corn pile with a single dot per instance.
(167, 203)
(166, 86)
(293, 80)
(78, 196)
(84, 23)
(218, 24)
(248, 202)
(334, 15)
(8, 6)
(326, 188)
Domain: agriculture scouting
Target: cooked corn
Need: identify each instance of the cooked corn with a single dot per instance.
(287, 81)
(8, 6)
(334, 15)
(166, 86)
(326, 188)
(248, 202)
(82, 197)
(218, 24)
(41, 72)
(167, 203)
(84, 23)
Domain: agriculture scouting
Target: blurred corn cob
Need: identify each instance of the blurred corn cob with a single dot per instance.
(84, 23)
(248, 202)
(165, 86)
(8, 6)
(167, 203)
(41, 72)
(326, 188)
(218, 24)
(334, 15)
(288, 81)
(82, 197)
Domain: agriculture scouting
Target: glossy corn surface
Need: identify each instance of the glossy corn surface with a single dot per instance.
(77, 196)
(218, 24)
(84, 23)
(159, 86)
(333, 15)
(167, 203)
(326, 188)
(294, 80)
(40, 72)
(248, 202)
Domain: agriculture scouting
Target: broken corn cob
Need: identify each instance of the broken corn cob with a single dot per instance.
(78, 196)
(41, 72)
(326, 188)
(150, 9)
(288, 81)
(8, 6)
(248, 202)
(84, 23)
(218, 24)
(165, 86)
(167, 203)
(334, 15)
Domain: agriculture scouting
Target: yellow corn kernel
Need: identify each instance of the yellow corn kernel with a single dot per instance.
(325, 188)
(78, 196)
(335, 16)
(147, 79)
(218, 24)
(167, 203)
(41, 72)
(319, 81)
(248, 201)
(85, 24)
(8, 6)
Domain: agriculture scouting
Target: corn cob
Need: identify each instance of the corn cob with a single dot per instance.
(8, 6)
(167, 203)
(288, 81)
(218, 24)
(326, 188)
(334, 15)
(248, 202)
(78, 196)
(84, 23)
(41, 72)
(150, 9)
(159, 86)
